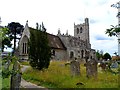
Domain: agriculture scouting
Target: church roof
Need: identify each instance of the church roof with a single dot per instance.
(54, 41)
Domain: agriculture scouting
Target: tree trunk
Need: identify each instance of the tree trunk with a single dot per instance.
(14, 41)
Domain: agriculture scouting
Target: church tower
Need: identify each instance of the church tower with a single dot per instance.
(82, 31)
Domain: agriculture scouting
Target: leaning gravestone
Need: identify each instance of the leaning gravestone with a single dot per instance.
(75, 68)
(91, 68)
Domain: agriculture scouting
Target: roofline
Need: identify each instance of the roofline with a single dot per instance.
(54, 36)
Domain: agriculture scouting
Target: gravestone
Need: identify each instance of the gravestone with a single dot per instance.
(103, 65)
(114, 65)
(91, 68)
(7, 64)
(75, 68)
(16, 77)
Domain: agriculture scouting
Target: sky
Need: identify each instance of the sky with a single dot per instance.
(63, 14)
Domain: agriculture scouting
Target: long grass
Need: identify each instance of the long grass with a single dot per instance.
(59, 76)
(24, 63)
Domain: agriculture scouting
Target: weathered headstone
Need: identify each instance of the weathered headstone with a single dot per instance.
(103, 66)
(114, 65)
(91, 68)
(7, 64)
(75, 68)
(16, 77)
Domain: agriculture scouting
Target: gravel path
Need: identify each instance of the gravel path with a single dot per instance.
(24, 67)
(29, 85)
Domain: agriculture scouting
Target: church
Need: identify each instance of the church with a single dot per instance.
(63, 46)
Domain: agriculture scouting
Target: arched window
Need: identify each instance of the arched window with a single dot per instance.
(82, 53)
(25, 45)
(53, 52)
(77, 30)
(71, 54)
(24, 49)
(86, 54)
(81, 29)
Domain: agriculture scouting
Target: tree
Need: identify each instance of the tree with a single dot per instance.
(113, 31)
(14, 72)
(15, 30)
(99, 54)
(39, 50)
(107, 56)
(5, 39)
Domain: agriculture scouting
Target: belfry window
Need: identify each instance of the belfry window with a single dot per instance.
(77, 30)
(81, 29)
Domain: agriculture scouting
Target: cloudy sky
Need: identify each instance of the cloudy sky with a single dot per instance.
(62, 14)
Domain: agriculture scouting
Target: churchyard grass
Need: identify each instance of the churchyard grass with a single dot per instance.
(58, 76)
(24, 63)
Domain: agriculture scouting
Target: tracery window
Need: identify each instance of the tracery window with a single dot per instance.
(24, 49)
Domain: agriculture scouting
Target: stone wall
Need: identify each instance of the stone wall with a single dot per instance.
(60, 54)
(75, 45)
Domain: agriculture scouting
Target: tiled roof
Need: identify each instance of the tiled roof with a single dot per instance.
(115, 57)
(54, 41)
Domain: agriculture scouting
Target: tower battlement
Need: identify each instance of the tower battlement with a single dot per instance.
(82, 30)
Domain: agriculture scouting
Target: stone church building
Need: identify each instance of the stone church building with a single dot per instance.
(63, 47)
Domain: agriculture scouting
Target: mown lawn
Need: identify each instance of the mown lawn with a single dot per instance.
(58, 76)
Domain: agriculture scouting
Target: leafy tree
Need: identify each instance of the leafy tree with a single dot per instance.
(107, 56)
(113, 31)
(39, 50)
(4, 38)
(15, 30)
(99, 54)
(7, 71)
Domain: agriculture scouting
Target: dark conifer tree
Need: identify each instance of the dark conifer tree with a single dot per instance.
(39, 50)
(15, 30)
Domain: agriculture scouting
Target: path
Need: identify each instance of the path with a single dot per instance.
(24, 67)
(25, 84)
